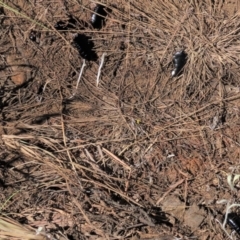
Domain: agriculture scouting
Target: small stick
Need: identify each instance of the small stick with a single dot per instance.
(171, 187)
(79, 78)
(114, 157)
(39, 98)
(100, 67)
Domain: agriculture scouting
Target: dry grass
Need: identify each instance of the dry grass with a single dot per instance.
(13, 230)
(100, 165)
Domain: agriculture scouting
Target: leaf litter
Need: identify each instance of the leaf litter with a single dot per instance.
(111, 161)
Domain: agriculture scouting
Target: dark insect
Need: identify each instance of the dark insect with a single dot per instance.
(98, 17)
(66, 25)
(179, 60)
(85, 47)
(233, 221)
(33, 36)
(40, 90)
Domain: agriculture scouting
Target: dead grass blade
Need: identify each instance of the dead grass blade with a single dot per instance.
(118, 160)
(11, 229)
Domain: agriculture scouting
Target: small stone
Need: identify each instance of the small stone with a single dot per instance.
(215, 182)
(194, 216)
(20, 71)
(19, 78)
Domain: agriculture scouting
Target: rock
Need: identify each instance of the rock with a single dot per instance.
(173, 206)
(19, 78)
(194, 216)
(20, 69)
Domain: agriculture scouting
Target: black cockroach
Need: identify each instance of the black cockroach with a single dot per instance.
(179, 60)
(233, 220)
(85, 46)
(98, 17)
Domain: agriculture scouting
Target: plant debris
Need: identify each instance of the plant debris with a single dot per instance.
(135, 154)
(66, 25)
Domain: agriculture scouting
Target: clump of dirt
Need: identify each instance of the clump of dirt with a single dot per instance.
(141, 154)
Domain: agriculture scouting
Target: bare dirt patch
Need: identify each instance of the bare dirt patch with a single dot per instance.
(141, 155)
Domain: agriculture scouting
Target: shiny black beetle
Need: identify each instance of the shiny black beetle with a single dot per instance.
(179, 60)
(98, 17)
(233, 220)
(33, 36)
